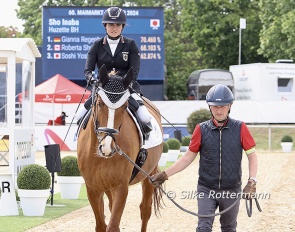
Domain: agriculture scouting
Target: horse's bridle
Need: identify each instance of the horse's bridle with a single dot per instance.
(107, 131)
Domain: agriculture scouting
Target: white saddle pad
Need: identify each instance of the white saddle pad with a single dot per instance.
(155, 138)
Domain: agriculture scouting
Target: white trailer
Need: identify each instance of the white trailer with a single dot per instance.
(264, 81)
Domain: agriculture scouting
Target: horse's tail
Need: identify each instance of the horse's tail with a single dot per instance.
(158, 198)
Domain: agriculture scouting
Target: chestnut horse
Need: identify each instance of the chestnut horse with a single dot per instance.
(105, 171)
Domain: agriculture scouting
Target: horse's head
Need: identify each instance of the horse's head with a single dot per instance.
(109, 108)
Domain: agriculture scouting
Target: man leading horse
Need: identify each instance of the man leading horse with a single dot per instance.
(220, 141)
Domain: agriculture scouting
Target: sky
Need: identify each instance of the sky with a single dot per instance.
(8, 14)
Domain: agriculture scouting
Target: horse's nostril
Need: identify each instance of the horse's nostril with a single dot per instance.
(100, 149)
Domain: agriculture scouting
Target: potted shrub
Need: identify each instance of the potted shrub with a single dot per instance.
(287, 143)
(69, 178)
(174, 149)
(33, 183)
(163, 159)
(185, 143)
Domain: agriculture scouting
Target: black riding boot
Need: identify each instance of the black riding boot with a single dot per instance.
(134, 105)
(147, 127)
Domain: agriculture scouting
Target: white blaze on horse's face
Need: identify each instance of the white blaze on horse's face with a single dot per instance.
(106, 148)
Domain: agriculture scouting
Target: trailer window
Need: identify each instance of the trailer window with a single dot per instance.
(285, 84)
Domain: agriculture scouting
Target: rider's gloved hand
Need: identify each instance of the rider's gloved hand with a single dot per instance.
(249, 190)
(90, 78)
(159, 178)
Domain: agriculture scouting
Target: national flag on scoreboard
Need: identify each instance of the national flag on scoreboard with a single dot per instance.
(56, 40)
(56, 47)
(56, 55)
(155, 24)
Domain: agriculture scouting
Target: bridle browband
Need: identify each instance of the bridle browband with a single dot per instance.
(113, 105)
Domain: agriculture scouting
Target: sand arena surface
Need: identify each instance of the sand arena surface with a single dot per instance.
(276, 178)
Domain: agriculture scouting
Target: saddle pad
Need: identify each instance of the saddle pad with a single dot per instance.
(155, 138)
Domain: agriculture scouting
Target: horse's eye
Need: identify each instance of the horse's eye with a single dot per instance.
(100, 104)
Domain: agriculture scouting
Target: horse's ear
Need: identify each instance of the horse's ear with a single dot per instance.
(103, 75)
(128, 78)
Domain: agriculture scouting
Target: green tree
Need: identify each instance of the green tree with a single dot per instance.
(277, 35)
(180, 52)
(214, 28)
(31, 12)
(9, 32)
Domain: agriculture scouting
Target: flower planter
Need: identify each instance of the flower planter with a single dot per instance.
(287, 146)
(163, 160)
(33, 202)
(183, 149)
(173, 155)
(70, 186)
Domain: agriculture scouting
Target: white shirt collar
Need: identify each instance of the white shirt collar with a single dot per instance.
(110, 41)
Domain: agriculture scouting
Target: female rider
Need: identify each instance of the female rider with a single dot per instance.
(118, 54)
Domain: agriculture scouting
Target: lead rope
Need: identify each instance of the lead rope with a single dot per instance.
(173, 201)
(249, 206)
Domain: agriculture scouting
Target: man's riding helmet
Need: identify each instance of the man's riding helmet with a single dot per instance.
(114, 15)
(219, 95)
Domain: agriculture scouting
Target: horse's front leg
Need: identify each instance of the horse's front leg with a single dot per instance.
(97, 204)
(119, 196)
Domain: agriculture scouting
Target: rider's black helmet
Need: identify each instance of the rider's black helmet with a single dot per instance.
(219, 95)
(114, 15)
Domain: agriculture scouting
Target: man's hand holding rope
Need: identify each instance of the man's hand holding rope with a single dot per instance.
(159, 178)
(249, 190)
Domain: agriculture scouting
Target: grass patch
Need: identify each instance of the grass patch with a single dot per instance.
(21, 223)
(261, 136)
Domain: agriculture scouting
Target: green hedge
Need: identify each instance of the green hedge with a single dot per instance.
(69, 166)
(197, 117)
(165, 147)
(186, 140)
(173, 144)
(287, 138)
(34, 177)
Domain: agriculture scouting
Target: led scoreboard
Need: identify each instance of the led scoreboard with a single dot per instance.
(69, 32)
